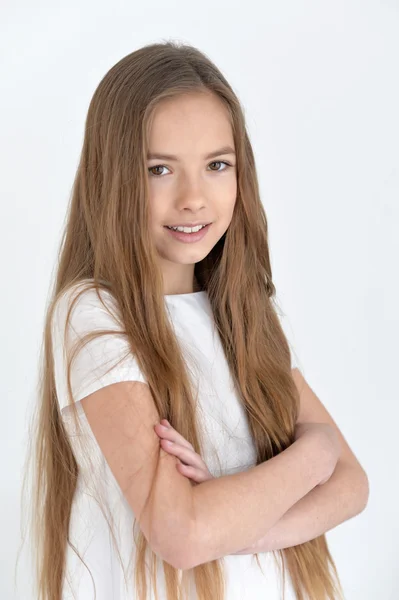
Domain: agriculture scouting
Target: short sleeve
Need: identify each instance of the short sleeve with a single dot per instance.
(103, 360)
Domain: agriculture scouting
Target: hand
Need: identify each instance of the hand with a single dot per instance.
(329, 435)
(190, 463)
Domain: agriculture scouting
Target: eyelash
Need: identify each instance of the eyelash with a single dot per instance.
(228, 165)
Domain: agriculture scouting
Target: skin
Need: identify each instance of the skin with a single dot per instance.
(190, 464)
(195, 188)
(338, 498)
(190, 188)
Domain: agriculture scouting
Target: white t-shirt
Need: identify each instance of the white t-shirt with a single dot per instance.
(228, 447)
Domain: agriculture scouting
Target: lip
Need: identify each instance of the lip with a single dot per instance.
(188, 224)
(189, 238)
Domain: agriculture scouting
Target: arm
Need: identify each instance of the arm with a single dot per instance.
(228, 510)
(343, 496)
(187, 525)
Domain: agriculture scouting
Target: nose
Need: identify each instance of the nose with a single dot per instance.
(191, 193)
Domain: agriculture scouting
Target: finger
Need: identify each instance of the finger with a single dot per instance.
(169, 433)
(172, 434)
(185, 454)
(192, 473)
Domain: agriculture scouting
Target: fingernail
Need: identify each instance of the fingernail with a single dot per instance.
(165, 422)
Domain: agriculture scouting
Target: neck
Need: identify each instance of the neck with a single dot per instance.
(197, 287)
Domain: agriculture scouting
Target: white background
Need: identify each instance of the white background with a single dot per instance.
(319, 83)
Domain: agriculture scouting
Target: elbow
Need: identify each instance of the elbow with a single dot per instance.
(175, 546)
(355, 490)
(181, 557)
(176, 558)
(365, 493)
(361, 491)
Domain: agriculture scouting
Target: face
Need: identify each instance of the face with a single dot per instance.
(189, 186)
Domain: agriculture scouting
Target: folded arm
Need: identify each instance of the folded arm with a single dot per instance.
(225, 514)
(342, 497)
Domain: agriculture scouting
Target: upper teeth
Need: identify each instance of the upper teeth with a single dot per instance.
(187, 229)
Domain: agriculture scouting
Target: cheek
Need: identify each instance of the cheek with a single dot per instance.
(223, 189)
(228, 200)
(230, 191)
(158, 208)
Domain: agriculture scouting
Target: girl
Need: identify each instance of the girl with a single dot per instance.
(163, 307)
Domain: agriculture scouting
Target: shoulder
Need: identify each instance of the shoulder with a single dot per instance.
(89, 337)
(83, 293)
(82, 301)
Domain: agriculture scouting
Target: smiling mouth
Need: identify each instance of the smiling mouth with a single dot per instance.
(175, 227)
(186, 236)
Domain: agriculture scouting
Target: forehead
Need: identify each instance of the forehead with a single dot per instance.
(190, 124)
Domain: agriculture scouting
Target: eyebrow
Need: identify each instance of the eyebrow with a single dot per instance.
(158, 156)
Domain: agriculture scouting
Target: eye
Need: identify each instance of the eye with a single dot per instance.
(215, 162)
(156, 167)
(220, 162)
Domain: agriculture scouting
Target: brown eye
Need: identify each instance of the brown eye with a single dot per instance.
(220, 162)
(150, 170)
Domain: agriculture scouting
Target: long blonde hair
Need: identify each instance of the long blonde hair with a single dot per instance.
(107, 238)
